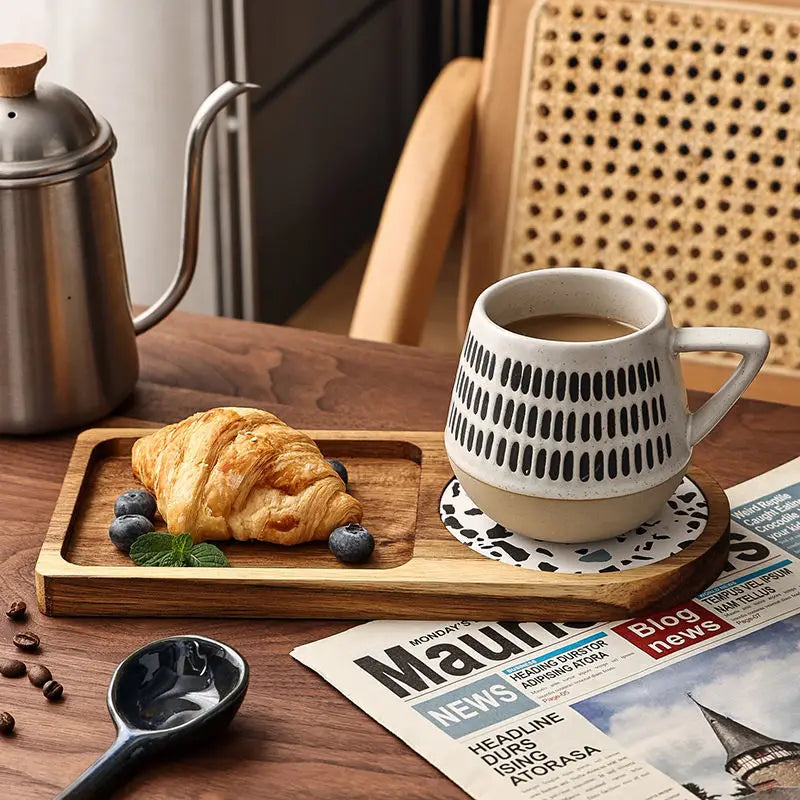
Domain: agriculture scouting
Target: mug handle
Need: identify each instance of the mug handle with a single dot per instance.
(751, 343)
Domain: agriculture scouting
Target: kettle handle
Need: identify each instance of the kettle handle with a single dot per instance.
(193, 173)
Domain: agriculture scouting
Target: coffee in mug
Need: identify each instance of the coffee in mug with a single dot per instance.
(570, 327)
(568, 419)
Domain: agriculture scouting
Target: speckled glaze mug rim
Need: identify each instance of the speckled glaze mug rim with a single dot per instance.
(553, 419)
(659, 317)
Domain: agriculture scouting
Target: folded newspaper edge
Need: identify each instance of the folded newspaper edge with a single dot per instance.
(698, 701)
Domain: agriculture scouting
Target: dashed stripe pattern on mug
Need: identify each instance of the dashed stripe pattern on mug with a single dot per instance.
(529, 425)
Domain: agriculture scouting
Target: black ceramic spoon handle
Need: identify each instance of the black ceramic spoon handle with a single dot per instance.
(107, 774)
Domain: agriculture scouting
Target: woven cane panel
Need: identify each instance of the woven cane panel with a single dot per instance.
(664, 141)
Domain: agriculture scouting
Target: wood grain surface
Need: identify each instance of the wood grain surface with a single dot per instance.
(295, 736)
(418, 571)
(384, 475)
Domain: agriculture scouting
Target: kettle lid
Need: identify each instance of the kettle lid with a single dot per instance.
(45, 129)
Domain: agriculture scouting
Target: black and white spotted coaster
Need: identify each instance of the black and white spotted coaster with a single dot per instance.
(682, 520)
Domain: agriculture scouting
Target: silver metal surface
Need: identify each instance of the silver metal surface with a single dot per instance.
(67, 347)
(67, 341)
(236, 267)
(244, 174)
(48, 132)
(191, 203)
(223, 179)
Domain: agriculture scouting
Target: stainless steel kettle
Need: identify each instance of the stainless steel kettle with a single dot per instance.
(67, 337)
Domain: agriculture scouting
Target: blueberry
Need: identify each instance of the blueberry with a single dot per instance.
(136, 501)
(125, 530)
(340, 469)
(351, 543)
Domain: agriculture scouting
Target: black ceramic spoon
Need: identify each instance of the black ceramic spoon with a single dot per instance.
(169, 694)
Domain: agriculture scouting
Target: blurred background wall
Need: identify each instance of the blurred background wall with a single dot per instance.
(296, 172)
(144, 65)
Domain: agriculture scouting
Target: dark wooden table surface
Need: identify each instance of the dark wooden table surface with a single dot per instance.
(295, 736)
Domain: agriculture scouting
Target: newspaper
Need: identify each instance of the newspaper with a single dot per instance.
(699, 701)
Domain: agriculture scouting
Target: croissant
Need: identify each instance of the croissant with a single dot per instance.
(242, 473)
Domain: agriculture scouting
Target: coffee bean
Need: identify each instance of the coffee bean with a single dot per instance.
(6, 723)
(11, 668)
(26, 641)
(17, 610)
(39, 675)
(52, 690)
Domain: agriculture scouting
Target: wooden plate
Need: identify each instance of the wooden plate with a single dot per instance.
(418, 571)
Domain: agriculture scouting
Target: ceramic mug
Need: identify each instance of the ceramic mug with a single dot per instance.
(579, 441)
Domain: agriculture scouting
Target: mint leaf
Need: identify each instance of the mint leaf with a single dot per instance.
(155, 550)
(206, 555)
(168, 550)
(182, 544)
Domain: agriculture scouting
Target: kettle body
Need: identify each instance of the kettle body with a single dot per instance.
(67, 336)
(67, 343)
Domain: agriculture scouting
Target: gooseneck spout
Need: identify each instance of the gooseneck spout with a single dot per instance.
(195, 143)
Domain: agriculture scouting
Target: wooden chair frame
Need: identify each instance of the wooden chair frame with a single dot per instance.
(459, 155)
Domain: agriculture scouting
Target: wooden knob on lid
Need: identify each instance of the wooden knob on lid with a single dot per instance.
(19, 65)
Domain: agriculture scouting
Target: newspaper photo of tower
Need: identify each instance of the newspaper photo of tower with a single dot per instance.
(758, 761)
(724, 724)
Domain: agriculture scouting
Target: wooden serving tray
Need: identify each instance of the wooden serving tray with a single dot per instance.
(418, 571)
